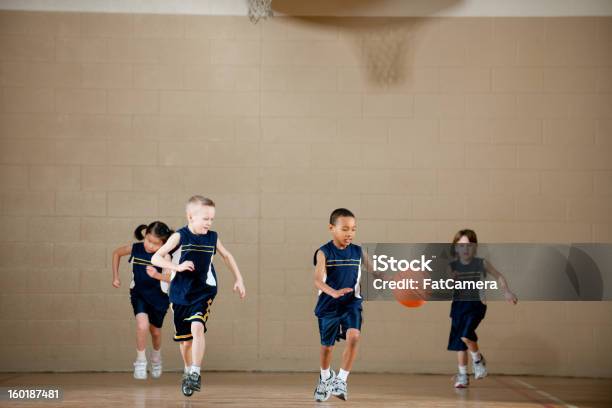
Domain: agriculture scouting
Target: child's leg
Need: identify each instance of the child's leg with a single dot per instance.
(473, 348)
(471, 345)
(186, 353)
(142, 327)
(199, 344)
(350, 352)
(462, 380)
(325, 383)
(326, 356)
(351, 326)
(329, 328)
(156, 359)
(478, 361)
(462, 358)
(155, 337)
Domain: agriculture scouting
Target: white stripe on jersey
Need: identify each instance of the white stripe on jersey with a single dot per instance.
(210, 278)
(357, 288)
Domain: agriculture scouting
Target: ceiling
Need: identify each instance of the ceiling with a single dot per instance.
(363, 8)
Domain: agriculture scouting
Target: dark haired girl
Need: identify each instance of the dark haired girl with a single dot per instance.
(148, 292)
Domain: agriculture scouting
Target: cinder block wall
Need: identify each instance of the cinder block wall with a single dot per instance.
(420, 126)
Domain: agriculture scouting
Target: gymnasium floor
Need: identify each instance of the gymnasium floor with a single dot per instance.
(295, 390)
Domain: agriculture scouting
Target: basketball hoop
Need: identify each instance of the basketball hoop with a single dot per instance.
(259, 9)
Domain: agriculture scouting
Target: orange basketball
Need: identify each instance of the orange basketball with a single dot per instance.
(412, 303)
(410, 296)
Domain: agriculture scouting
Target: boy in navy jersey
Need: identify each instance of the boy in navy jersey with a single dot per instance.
(194, 285)
(337, 275)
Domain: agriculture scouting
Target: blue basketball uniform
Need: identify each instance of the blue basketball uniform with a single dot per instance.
(467, 309)
(343, 270)
(192, 292)
(145, 292)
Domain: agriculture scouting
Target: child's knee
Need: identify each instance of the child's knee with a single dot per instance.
(142, 325)
(326, 349)
(353, 337)
(467, 341)
(197, 329)
(155, 331)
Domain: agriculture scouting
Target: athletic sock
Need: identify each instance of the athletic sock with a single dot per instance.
(325, 373)
(156, 356)
(475, 356)
(343, 375)
(195, 369)
(462, 369)
(140, 355)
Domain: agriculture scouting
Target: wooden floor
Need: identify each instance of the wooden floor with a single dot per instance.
(295, 390)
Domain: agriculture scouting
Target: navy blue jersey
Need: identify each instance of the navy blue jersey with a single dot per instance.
(189, 287)
(467, 299)
(144, 285)
(343, 270)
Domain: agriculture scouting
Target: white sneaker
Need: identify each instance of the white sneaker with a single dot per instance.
(140, 370)
(480, 368)
(156, 369)
(324, 387)
(339, 389)
(462, 381)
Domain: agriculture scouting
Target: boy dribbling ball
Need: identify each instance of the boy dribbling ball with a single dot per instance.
(338, 310)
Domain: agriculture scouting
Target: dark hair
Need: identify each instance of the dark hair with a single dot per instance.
(339, 212)
(470, 234)
(157, 228)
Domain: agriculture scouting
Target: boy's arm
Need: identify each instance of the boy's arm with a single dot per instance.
(117, 254)
(161, 258)
(367, 262)
(230, 262)
(510, 297)
(320, 272)
(164, 275)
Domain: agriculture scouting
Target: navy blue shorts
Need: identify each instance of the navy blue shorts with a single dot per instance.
(465, 318)
(333, 327)
(156, 316)
(185, 315)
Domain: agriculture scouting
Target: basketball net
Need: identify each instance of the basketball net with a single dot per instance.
(384, 49)
(259, 9)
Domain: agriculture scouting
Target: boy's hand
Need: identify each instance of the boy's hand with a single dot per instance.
(239, 287)
(116, 283)
(510, 297)
(341, 292)
(151, 271)
(186, 266)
